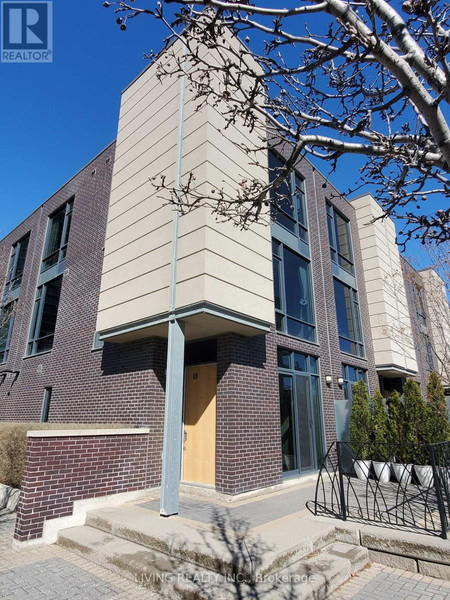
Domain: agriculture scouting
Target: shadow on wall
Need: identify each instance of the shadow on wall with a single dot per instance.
(241, 350)
(133, 357)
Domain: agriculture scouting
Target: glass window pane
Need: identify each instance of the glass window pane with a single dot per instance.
(301, 209)
(288, 439)
(306, 439)
(343, 237)
(297, 284)
(282, 219)
(313, 365)
(330, 230)
(276, 247)
(277, 282)
(55, 232)
(279, 322)
(341, 297)
(317, 414)
(300, 362)
(300, 330)
(351, 374)
(48, 323)
(284, 358)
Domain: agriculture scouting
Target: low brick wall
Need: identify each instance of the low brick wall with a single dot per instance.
(63, 467)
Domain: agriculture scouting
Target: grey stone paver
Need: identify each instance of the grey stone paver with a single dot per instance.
(53, 573)
(384, 583)
(53, 577)
(255, 513)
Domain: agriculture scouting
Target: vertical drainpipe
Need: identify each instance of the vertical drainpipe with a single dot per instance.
(173, 411)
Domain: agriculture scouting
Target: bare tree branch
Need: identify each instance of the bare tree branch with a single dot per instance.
(330, 78)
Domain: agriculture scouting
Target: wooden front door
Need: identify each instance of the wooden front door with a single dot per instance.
(199, 446)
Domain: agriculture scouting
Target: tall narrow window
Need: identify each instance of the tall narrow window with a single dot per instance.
(349, 320)
(6, 327)
(420, 306)
(289, 198)
(46, 404)
(45, 312)
(339, 236)
(294, 309)
(17, 264)
(57, 236)
(428, 351)
(300, 411)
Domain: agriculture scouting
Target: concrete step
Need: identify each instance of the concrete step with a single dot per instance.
(315, 577)
(224, 548)
(358, 556)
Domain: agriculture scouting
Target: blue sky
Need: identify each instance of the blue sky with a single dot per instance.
(56, 117)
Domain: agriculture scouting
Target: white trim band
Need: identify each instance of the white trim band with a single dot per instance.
(86, 432)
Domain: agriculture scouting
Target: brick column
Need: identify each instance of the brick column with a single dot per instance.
(248, 415)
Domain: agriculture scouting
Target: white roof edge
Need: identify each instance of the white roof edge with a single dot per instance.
(86, 432)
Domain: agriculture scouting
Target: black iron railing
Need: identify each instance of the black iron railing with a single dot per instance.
(410, 489)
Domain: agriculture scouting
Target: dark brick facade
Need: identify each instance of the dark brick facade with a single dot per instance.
(412, 279)
(61, 470)
(124, 383)
(248, 419)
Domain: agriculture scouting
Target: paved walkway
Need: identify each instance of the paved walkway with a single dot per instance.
(384, 583)
(53, 573)
(254, 512)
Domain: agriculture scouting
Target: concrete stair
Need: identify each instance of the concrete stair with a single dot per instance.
(179, 558)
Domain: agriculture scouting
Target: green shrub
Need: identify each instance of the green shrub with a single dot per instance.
(438, 425)
(415, 422)
(380, 428)
(13, 445)
(360, 421)
(396, 425)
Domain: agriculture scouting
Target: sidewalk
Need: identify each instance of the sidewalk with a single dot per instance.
(52, 573)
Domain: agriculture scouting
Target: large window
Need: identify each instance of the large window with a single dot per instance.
(420, 306)
(352, 375)
(294, 309)
(6, 327)
(339, 236)
(349, 320)
(57, 236)
(45, 312)
(428, 351)
(17, 264)
(289, 199)
(300, 411)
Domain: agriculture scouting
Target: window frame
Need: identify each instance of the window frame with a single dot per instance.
(61, 251)
(296, 184)
(349, 383)
(336, 254)
(46, 404)
(5, 352)
(314, 375)
(356, 320)
(12, 276)
(428, 351)
(421, 314)
(37, 316)
(281, 315)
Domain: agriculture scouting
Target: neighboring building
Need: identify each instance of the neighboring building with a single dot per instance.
(409, 309)
(268, 327)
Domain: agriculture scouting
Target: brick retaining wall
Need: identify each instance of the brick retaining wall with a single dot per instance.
(62, 467)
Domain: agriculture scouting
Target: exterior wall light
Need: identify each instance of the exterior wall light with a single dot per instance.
(340, 381)
(328, 379)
